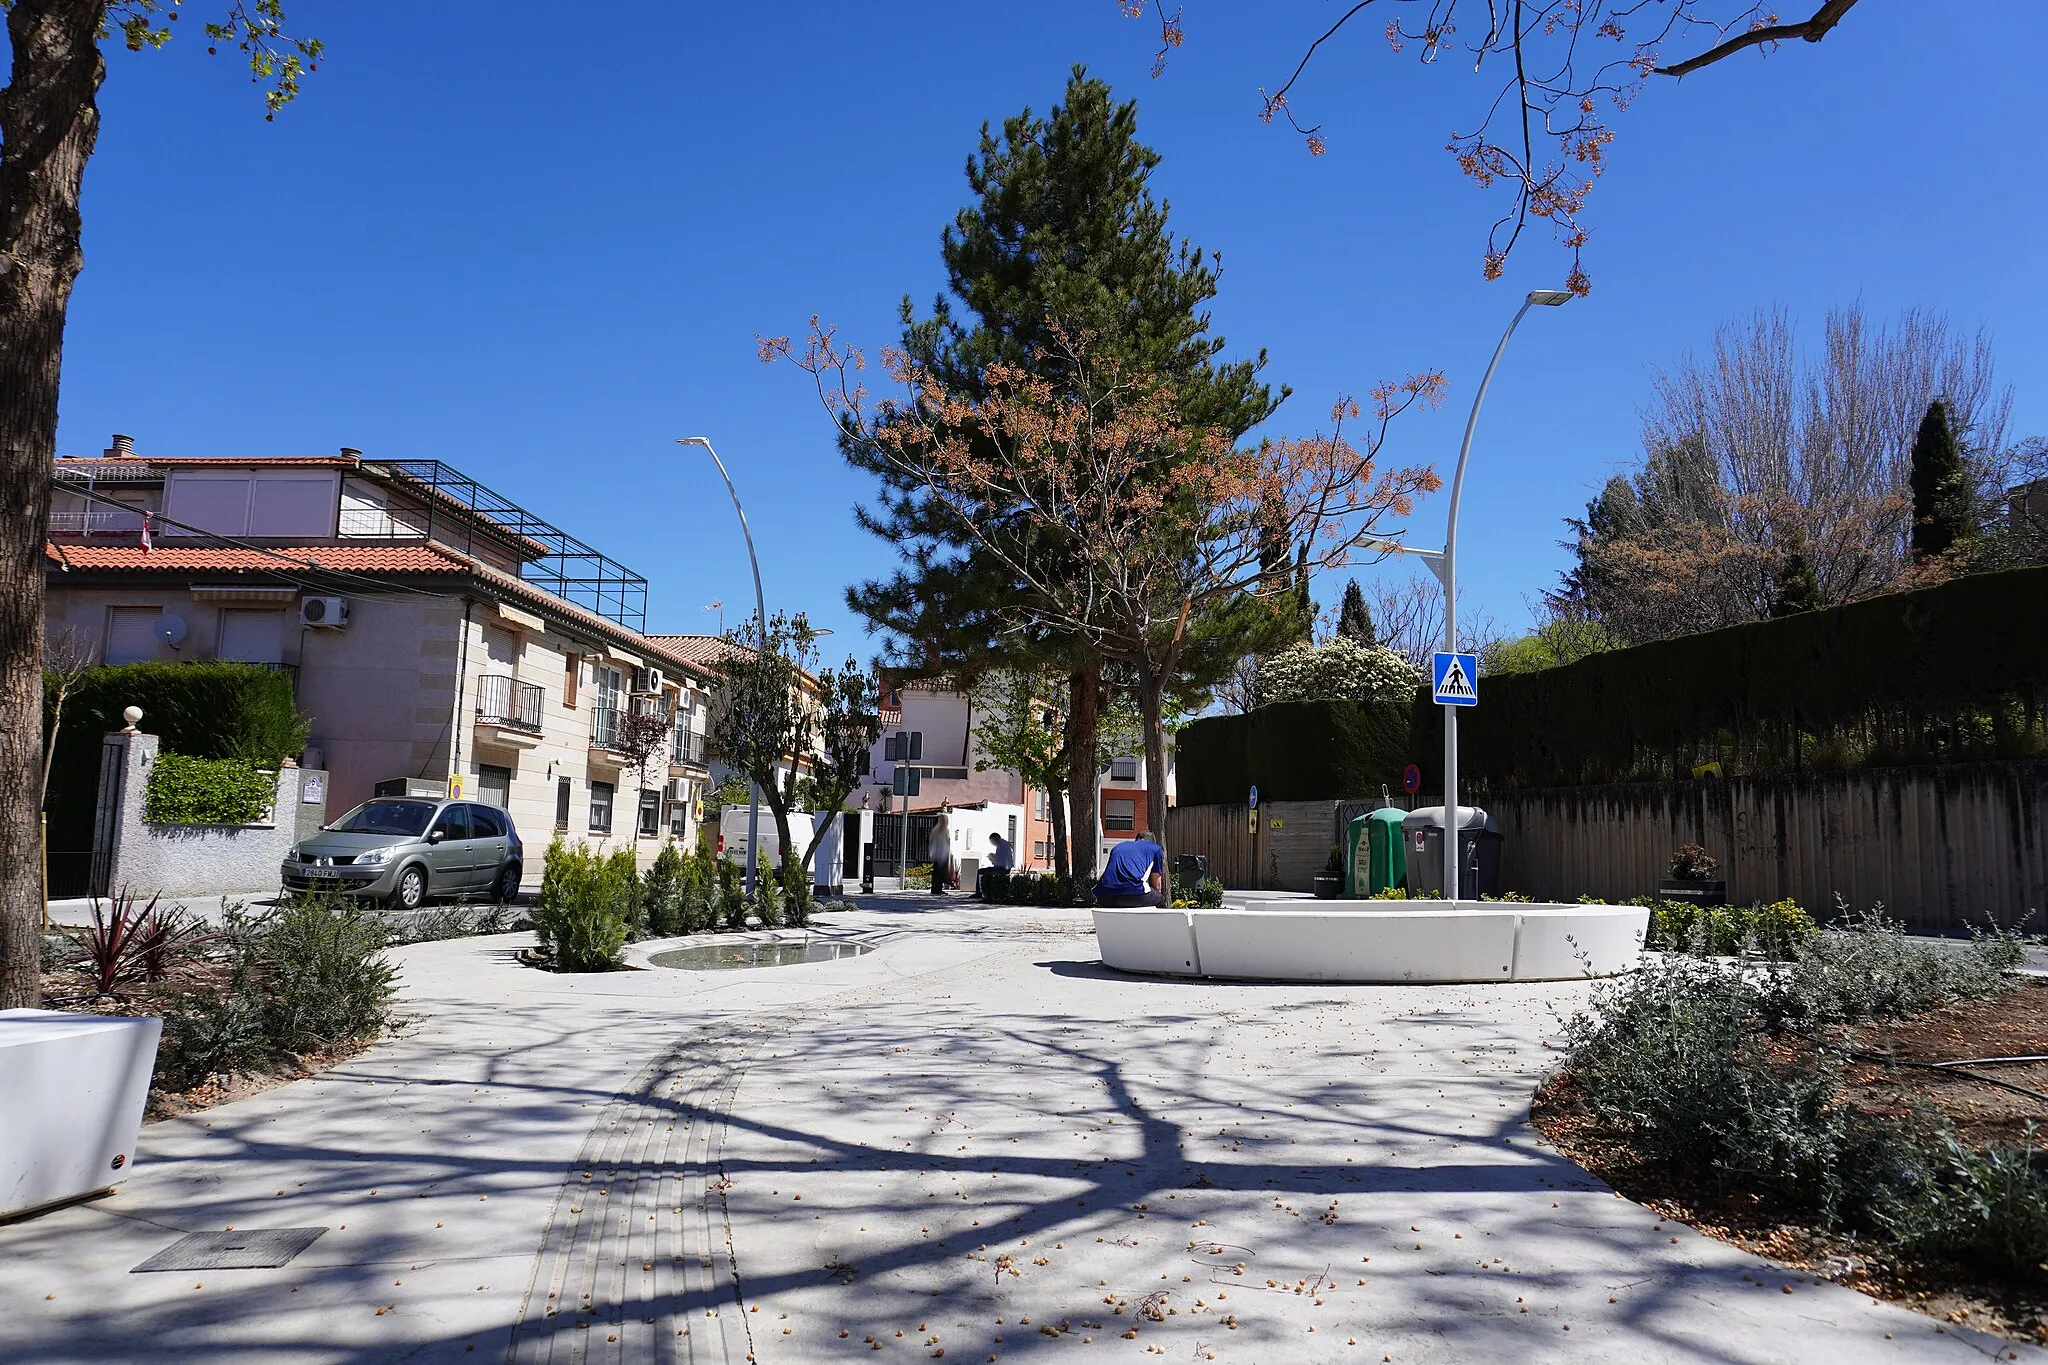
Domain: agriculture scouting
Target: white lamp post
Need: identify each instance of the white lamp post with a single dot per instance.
(761, 627)
(1446, 567)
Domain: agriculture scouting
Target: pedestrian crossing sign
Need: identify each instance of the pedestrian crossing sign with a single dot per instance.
(1456, 679)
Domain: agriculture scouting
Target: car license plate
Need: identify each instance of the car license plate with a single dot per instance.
(321, 872)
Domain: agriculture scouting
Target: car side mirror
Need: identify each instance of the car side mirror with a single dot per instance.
(436, 836)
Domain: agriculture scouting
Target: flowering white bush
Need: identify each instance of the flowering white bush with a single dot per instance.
(1340, 670)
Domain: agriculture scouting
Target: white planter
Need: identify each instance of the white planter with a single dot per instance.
(72, 1091)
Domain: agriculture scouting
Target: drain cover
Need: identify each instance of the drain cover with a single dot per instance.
(258, 1249)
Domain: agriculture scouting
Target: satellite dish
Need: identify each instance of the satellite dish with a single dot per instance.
(172, 628)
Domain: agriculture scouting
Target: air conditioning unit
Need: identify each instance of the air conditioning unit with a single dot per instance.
(331, 612)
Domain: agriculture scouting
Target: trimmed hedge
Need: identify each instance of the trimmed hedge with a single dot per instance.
(206, 791)
(1954, 673)
(201, 710)
(1293, 751)
(1948, 674)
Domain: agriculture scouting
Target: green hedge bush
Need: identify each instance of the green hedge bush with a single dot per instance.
(206, 791)
(585, 905)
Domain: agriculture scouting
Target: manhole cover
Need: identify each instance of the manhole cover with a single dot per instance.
(253, 1250)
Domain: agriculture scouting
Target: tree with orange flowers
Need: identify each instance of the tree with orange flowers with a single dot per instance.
(1117, 521)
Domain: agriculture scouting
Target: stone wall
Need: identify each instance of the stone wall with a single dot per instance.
(191, 860)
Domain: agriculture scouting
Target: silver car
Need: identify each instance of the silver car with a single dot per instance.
(405, 849)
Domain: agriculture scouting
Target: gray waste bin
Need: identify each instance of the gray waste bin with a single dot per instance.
(1479, 843)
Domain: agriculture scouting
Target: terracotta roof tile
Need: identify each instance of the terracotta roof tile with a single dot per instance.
(208, 559)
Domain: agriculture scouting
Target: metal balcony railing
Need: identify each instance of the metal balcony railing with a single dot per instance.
(508, 702)
(604, 727)
(689, 747)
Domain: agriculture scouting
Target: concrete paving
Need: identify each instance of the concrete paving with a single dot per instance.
(973, 1142)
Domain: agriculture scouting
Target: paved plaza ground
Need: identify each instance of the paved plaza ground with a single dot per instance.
(973, 1143)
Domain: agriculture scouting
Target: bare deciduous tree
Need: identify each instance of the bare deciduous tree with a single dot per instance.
(1568, 66)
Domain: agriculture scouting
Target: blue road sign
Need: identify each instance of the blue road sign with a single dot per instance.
(1255, 797)
(1456, 679)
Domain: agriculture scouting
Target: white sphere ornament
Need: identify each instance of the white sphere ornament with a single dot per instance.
(131, 714)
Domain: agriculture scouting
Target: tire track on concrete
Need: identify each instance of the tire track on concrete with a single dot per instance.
(638, 1262)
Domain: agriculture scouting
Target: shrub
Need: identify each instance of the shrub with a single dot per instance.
(663, 889)
(130, 942)
(206, 791)
(1209, 894)
(622, 882)
(580, 916)
(732, 897)
(1868, 968)
(326, 979)
(309, 976)
(995, 886)
(767, 901)
(796, 896)
(1692, 863)
(1774, 931)
(1342, 670)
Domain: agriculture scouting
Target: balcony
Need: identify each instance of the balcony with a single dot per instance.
(508, 712)
(605, 723)
(688, 750)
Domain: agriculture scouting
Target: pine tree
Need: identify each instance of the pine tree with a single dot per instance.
(1063, 233)
(1354, 618)
(1797, 589)
(1940, 491)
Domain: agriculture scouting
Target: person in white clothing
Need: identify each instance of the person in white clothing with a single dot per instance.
(1003, 857)
(942, 849)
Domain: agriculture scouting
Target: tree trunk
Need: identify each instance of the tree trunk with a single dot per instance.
(48, 121)
(1151, 709)
(1084, 762)
(1056, 811)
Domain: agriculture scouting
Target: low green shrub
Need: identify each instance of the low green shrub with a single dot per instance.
(732, 897)
(797, 896)
(995, 886)
(1208, 894)
(206, 791)
(1686, 1058)
(583, 910)
(306, 977)
(1774, 931)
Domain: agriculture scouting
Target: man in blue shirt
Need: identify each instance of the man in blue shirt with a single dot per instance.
(1134, 875)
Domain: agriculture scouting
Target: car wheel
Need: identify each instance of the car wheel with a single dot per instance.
(508, 885)
(411, 891)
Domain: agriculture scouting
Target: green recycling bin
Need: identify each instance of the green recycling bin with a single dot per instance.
(1375, 856)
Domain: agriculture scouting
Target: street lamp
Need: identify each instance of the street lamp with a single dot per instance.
(761, 628)
(1446, 566)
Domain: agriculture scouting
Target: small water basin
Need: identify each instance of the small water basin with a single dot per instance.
(785, 952)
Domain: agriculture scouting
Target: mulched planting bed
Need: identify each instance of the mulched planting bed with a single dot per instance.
(2012, 1024)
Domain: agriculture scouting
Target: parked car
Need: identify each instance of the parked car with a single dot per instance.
(406, 849)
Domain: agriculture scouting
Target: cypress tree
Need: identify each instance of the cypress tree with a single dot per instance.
(1940, 502)
(1354, 619)
(1797, 589)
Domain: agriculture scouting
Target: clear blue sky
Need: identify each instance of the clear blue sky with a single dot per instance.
(539, 246)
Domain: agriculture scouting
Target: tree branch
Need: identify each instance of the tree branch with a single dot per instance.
(1812, 31)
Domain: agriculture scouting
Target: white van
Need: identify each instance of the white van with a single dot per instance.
(732, 835)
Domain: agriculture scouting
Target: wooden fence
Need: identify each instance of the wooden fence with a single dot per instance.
(1939, 847)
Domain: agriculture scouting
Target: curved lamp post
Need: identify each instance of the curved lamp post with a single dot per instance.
(1446, 566)
(761, 627)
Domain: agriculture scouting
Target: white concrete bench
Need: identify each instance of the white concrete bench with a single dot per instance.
(1376, 941)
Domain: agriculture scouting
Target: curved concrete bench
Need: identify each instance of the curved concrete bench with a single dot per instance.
(1377, 941)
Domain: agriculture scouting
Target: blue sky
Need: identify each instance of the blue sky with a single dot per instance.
(540, 247)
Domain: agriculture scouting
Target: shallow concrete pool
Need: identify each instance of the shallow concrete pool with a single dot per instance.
(715, 957)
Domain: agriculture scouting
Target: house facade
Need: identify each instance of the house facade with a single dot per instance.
(436, 633)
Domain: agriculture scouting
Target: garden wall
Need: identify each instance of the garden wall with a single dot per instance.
(1942, 847)
(192, 860)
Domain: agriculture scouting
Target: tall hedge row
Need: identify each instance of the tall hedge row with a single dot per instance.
(1293, 751)
(203, 710)
(1953, 673)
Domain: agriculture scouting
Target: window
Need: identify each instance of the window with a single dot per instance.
(227, 502)
(1038, 849)
(561, 803)
(493, 785)
(679, 816)
(1038, 805)
(453, 823)
(1013, 831)
(572, 669)
(132, 636)
(1123, 770)
(600, 808)
(650, 814)
(255, 637)
(1119, 813)
(486, 823)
